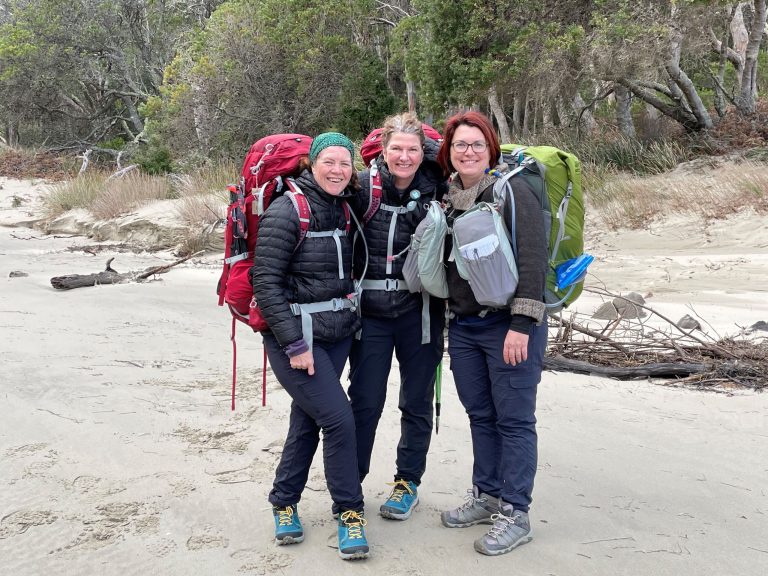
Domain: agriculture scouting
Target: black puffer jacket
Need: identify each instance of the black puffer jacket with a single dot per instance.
(282, 276)
(430, 182)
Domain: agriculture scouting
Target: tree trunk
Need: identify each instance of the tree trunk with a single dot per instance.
(517, 114)
(498, 113)
(11, 133)
(563, 115)
(747, 98)
(547, 119)
(677, 113)
(740, 37)
(683, 82)
(410, 89)
(624, 111)
(587, 120)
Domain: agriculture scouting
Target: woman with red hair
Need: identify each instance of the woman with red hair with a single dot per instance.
(496, 354)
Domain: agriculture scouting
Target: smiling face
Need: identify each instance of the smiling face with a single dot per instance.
(332, 169)
(403, 155)
(470, 165)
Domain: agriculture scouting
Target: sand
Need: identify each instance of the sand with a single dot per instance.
(119, 453)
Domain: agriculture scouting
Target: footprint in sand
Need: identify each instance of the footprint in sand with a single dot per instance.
(207, 537)
(162, 547)
(255, 562)
(20, 521)
(25, 450)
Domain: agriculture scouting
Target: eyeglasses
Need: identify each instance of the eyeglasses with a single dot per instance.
(461, 147)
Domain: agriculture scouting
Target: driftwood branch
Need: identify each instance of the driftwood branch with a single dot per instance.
(627, 346)
(654, 370)
(111, 276)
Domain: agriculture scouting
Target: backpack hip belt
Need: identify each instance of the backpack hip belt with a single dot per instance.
(306, 311)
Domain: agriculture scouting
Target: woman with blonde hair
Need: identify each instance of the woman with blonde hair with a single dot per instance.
(393, 318)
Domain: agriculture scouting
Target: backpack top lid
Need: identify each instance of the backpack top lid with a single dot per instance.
(371, 147)
(273, 156)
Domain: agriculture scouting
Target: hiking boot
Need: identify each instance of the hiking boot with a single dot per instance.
(511, 528)
(477, 509)
(352, 542)
(288, 529)
(401, 501)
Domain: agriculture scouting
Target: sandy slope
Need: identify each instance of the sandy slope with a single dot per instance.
(119, 454)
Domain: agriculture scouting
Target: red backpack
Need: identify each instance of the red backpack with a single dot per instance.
(267, 172)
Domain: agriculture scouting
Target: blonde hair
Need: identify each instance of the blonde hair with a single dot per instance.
(406, 123)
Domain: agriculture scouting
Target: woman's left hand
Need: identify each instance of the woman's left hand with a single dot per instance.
(515, 347)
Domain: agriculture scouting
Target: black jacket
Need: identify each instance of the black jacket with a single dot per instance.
(430, 182)
(531, 259)
(283, 274)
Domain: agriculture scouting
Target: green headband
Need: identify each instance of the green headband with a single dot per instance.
(327, 139)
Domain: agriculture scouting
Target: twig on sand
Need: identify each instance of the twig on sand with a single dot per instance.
(75, 420)
(608, 540)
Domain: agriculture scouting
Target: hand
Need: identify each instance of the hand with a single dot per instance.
(305, 361)
(515, 347)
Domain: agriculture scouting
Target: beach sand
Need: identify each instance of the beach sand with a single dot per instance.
(119, 454)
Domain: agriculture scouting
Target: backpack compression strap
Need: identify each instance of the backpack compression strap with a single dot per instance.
(301, 204)
(374, 194)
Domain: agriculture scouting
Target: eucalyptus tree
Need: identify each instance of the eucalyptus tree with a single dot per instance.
(514, 56)
(78, 71)
(263, 66)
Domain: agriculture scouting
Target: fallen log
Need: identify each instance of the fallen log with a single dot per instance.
(111, 276)
(653, 370)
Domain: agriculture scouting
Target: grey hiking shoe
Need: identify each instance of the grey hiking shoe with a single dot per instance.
(511, 528)
(477, 509)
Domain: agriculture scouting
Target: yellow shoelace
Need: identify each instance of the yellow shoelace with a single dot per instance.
(354, 522)
(400, 488)
(285, 516)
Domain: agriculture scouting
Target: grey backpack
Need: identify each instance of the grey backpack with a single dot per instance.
(483, 252)
(424, 269)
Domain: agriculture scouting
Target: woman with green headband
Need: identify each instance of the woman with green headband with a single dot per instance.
(306, 296)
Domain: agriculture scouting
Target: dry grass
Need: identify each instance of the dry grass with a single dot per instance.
(122, 195)
(105, 198)
(624, 201)
(80, 192)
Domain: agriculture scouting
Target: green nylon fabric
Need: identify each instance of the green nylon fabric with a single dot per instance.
(559, 169)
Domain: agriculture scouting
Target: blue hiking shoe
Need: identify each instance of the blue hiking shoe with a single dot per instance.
(288, 529)
(353, 544)
(401, 501)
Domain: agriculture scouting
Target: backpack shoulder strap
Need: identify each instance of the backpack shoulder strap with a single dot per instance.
(374, 193)
(301, 204)
(347, 215)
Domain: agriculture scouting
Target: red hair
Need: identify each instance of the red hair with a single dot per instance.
(476, 120)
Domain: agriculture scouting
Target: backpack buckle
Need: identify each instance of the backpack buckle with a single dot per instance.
(391, 284)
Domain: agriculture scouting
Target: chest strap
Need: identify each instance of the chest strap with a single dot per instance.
(336, 235)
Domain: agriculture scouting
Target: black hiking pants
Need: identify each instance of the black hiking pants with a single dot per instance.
(319, 403)
(370, 363)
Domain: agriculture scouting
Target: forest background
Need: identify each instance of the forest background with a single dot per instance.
(183, 88)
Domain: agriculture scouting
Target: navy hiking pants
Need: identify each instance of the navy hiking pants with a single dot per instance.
(319, 403)
(500, 401)
(370, 363)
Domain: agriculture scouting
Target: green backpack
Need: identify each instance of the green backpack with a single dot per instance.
(555, 177)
